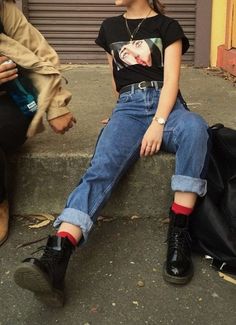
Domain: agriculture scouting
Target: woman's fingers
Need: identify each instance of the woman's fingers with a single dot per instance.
(149, 149)
(146, 148)
(143, 148)
(12, 77)
(4, 65)
(105, 121)
(158, 146)
(153, 150)
(73, 120)
(8, 72)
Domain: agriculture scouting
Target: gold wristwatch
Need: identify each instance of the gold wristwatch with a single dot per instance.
(159, 120)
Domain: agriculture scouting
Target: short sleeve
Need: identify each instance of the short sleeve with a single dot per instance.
(173, 33)
(101, 39)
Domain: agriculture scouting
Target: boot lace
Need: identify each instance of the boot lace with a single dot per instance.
(49, 256)
(179, 239)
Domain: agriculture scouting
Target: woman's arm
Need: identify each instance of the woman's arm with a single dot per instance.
(152, 139)
(170, 88)
(109, 58)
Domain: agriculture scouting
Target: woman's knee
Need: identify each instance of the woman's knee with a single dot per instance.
(193, 125)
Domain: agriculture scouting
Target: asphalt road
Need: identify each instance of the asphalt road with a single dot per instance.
(116, 279)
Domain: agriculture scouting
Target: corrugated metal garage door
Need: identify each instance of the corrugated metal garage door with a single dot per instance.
(71, 26)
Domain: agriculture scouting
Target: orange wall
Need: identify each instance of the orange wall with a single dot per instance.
(219, 9)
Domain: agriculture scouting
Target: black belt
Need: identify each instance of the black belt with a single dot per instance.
(142, 85)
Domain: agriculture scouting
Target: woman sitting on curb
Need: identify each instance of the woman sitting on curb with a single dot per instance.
(144, 49)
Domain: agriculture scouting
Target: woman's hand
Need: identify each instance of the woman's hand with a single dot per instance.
(8, 71)
(62, 123)
(105, 121)
(152, 140)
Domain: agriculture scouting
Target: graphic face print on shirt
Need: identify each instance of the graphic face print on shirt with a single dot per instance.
(145, 52)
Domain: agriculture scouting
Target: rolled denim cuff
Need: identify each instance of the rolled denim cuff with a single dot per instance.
(181, 183)
(76, 218)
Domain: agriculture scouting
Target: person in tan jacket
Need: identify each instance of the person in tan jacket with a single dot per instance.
(28, 49)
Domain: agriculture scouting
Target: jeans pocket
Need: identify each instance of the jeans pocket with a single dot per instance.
(124, 98)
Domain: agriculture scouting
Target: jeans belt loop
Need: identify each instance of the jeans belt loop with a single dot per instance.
(155, 85)
(132, 90)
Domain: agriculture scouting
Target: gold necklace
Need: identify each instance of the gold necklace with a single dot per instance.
(137, 28)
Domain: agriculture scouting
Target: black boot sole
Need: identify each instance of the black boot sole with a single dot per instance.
(176, 279)
(32, 278)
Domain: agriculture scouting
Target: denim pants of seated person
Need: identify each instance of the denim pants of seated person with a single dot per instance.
(118, 147)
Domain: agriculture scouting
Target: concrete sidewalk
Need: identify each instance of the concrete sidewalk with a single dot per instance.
(49, 166)
(116, 279)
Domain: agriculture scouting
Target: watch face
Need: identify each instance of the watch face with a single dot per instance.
(161, 121)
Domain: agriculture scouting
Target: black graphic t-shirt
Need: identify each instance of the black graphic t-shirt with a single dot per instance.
(141, 59)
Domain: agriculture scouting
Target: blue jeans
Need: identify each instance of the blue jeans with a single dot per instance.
(118, 147)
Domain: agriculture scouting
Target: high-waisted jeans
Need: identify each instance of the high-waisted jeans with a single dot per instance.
(118, 147)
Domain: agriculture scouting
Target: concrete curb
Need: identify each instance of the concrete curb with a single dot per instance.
(41, 183)
(49, 166)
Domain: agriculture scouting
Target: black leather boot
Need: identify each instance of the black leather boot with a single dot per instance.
(45, 276)
(178, 268)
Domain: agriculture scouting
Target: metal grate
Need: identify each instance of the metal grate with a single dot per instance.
(71, 26)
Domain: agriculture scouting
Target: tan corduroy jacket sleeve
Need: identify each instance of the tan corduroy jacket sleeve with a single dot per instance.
(28, 48)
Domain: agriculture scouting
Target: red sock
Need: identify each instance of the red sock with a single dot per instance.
(64, 234)
(180, 209)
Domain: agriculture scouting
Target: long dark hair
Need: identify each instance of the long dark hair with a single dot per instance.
(158, 6)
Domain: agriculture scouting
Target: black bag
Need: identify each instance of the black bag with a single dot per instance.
(213, 223)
